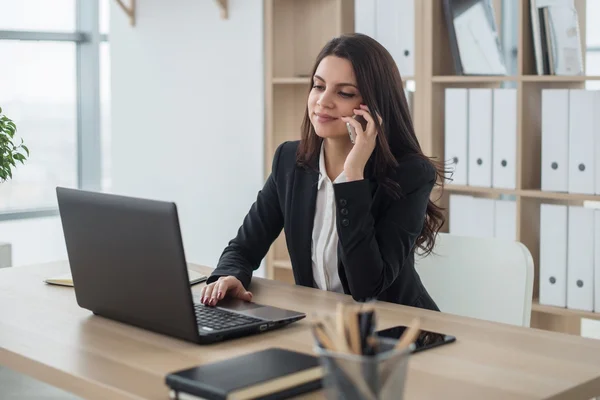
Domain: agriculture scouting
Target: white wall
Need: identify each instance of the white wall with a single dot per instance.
(187, 113)
(34, 241)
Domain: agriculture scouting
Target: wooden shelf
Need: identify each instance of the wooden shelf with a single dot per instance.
(303, 80)
(479, 190)
(529, 193)
(472, 79)
(540, 194)
(556, 78)
(291, 81)
(224, 8)
(566, 312)
(524, 78)
(282, 264)
(294, 33)
(130, 11)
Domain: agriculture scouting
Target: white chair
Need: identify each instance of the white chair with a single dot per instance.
(490, 279)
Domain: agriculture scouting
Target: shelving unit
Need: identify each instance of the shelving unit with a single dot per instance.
(528, 193)
(295, 30)
(436, 75)
(472, 79)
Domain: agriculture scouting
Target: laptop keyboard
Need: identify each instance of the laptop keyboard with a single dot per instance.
(213, 319)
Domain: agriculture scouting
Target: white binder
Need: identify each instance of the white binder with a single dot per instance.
(505, 220)
(553, 255)
(581, 141)
(580, 256)
(483, 216)
(504, 138)
(597, 260)
(364, 17)
(480, 137)
(555, 140)
(456, 134)
(404, 50)
(460, 215)
(597, 139)
(391, 23)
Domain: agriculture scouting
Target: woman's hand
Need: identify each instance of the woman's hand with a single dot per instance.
(364, 144)
(217, 290)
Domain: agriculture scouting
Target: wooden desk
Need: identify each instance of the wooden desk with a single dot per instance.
(44, 334)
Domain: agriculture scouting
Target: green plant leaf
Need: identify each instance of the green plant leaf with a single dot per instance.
(10, 152)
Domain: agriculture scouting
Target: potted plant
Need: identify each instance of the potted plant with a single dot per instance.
(10, 152)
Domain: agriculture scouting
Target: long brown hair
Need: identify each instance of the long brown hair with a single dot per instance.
(381, 87)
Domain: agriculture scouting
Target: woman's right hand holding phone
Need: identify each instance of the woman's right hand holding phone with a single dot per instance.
(225, 285)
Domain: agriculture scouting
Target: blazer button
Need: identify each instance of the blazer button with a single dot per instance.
(345, 222)
(343, 202)
(344, 211)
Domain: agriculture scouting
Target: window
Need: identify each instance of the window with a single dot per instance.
(39, 94)
(49, 77)
(104, 16)
(105, 115)
(38, 15)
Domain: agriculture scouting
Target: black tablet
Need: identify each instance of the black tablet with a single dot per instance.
(426, 339)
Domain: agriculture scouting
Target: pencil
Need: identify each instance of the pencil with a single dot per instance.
(409, 335)
(354, 331)
(323, 338)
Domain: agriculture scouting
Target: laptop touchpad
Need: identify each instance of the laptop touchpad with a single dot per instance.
(256, 310)
(233, 304)
(271, 313)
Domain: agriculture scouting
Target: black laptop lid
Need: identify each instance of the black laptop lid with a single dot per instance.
(127, 260)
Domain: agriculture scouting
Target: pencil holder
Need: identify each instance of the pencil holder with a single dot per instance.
(359, 377)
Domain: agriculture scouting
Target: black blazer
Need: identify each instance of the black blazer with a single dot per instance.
(376, 233)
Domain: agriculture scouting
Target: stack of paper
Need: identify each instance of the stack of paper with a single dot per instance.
(473, 38)
(556, 38)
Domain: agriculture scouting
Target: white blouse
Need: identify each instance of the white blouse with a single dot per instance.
(324, 234)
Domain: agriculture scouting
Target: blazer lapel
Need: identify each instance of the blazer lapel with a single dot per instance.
(301, 223)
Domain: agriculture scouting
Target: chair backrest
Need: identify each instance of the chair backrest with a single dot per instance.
(484, 278)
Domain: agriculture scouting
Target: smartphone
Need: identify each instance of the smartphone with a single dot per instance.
(426, 340)
(352, 131)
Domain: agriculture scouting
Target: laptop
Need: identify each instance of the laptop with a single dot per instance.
(128, 264)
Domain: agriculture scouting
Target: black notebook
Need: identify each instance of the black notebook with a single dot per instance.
(270, 374)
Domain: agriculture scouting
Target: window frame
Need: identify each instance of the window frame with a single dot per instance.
(87, 39)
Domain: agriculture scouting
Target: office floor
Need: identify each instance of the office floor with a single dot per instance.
(15, 386)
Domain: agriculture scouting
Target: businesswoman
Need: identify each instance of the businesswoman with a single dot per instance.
(353, 213)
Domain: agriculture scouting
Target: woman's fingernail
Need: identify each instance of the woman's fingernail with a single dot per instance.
(220, 295)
